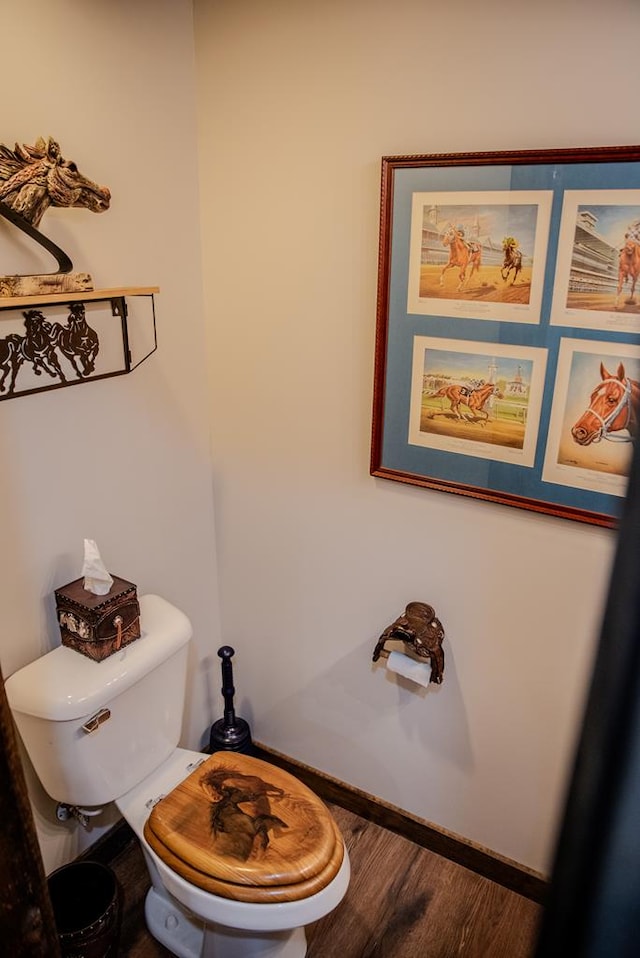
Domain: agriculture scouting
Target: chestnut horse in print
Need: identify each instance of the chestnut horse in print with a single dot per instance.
(628, 269)
(613, 407)
(474, 399)
(461, 255)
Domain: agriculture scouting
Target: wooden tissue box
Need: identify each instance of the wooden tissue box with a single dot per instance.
(98, 625)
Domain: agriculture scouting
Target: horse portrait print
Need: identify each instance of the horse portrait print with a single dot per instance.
(459, 262)
(612, 413)
(594, 419)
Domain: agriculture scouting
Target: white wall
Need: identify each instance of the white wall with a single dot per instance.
(297, 103)
(125, 461)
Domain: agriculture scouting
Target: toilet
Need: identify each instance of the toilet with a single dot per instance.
(241, 854)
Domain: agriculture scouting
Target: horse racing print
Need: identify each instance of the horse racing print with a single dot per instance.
(599, 261)
(476, 399)
(479, 254)
(507, 363)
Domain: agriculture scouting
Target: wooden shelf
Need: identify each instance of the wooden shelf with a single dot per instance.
(17, 302)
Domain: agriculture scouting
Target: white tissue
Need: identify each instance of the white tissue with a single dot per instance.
(96, 577)
(418, 672)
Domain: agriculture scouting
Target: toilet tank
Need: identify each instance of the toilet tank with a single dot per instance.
(93, 730)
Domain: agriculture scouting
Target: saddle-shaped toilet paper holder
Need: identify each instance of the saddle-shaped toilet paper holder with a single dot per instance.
(421, 632)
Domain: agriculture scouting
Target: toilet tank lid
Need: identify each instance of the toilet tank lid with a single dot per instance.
(64, 684)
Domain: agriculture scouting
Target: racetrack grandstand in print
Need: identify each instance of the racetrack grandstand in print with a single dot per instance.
(597, 283)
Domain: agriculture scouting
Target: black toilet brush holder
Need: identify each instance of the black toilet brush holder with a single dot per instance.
(230, 733)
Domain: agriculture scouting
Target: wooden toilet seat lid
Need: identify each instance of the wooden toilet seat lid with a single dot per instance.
(264, 894)
(239, 821)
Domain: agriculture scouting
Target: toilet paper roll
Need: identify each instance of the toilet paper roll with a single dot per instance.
(418, 672)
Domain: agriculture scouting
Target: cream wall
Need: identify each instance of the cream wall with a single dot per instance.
(125, 461)
(297, 102)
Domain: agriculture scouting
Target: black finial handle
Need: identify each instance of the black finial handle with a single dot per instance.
(230, 733)
(226, 653)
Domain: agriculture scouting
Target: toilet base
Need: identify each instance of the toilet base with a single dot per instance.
(187, 937)
(182, 934)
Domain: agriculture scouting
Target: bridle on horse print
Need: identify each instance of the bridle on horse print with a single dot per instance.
(625, 400)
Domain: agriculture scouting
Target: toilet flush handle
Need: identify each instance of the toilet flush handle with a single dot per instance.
(94, 723)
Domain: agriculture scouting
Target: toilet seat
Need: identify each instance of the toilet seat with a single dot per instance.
(243, 829)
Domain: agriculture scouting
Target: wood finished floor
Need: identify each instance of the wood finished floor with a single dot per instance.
(403, 902)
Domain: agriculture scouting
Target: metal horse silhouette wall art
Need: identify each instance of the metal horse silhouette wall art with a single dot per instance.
(33, 178)
(76, 341)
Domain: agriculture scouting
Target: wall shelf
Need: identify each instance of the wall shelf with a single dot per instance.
(71, 338)
(45, 299)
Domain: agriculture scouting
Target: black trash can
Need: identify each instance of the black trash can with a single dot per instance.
(86, 901)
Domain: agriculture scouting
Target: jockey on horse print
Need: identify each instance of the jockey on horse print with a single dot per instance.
(463, 253)
(472, 245)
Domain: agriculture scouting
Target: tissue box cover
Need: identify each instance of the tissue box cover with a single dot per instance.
(98, 625)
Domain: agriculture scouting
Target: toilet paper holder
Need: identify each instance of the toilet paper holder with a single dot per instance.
(421, 632)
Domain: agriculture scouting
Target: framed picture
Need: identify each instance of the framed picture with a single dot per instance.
(507, 362)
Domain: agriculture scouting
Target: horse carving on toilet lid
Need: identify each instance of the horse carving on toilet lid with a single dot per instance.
(244, 829)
